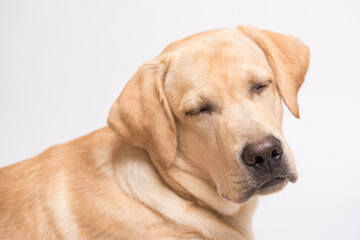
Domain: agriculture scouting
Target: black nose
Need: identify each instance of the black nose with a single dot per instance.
(262, 154)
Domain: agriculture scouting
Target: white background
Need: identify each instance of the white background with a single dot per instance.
(63, 63)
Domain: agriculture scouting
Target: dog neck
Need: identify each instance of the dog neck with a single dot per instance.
(181, 196)
(202, 190)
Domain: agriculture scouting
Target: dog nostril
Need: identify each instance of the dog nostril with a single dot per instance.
(276, 153)
(262, 153)
(258, 160)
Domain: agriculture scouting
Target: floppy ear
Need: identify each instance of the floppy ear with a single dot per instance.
(289, 59)
(142, 117)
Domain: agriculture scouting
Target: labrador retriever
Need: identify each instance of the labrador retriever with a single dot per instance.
(192, 142)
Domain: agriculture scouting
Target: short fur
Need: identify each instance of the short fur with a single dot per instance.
(164, 168)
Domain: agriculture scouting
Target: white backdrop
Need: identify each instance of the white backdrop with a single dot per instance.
(63, 63)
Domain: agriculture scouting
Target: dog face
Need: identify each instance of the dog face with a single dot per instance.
(214, 99)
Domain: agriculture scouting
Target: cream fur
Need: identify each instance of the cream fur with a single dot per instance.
(160, 170)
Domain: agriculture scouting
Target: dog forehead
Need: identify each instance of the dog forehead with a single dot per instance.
(224, 60)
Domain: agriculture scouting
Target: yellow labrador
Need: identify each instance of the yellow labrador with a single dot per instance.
(194, 138)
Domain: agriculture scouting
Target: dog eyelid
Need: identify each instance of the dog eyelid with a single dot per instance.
(258, 88)
(206, 108)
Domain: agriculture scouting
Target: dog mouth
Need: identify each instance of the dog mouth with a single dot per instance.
(272, 185)
(275, 183)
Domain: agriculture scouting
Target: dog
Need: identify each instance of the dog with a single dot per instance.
(193, 140)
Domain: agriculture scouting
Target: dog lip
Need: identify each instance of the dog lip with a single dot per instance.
(292, 178)
(272, 182)
(272, 185)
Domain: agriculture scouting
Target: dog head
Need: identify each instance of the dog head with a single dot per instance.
(215, 100)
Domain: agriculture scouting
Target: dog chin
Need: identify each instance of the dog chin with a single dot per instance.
(272, 185)
(242, 197)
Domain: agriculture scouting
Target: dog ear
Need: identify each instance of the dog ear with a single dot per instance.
(142, 117)
(289, 59)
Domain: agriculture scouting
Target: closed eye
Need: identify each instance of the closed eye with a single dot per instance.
(258, 88)
(206, 109)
